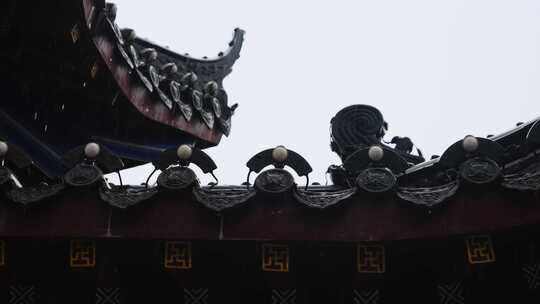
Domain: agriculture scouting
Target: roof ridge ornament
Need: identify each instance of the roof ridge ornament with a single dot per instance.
(87, 163)
(174, 164)
(479, 159)
(356, 134)
(277, 180)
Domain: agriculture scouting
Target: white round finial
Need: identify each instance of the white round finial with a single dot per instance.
(376, 153)
(92, 150)
(3, 149)
(280, 154)
(184, 152)
(470, 143)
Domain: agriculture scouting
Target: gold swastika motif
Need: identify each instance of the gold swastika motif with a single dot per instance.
(370, 259)
(82, 254)
(480, 249)
(2, 253)
(177, 255)
(275, 258)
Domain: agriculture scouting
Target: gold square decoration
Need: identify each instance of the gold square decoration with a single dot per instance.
(177, 255)
(480, 249)
(370, 258)
(275, 258)
(82, 254)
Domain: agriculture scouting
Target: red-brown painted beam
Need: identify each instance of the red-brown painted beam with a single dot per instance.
(362, 218)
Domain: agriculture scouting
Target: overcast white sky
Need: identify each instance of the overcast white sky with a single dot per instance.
(438, 70)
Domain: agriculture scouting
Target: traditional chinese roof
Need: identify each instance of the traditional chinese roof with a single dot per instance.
(84, 98)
